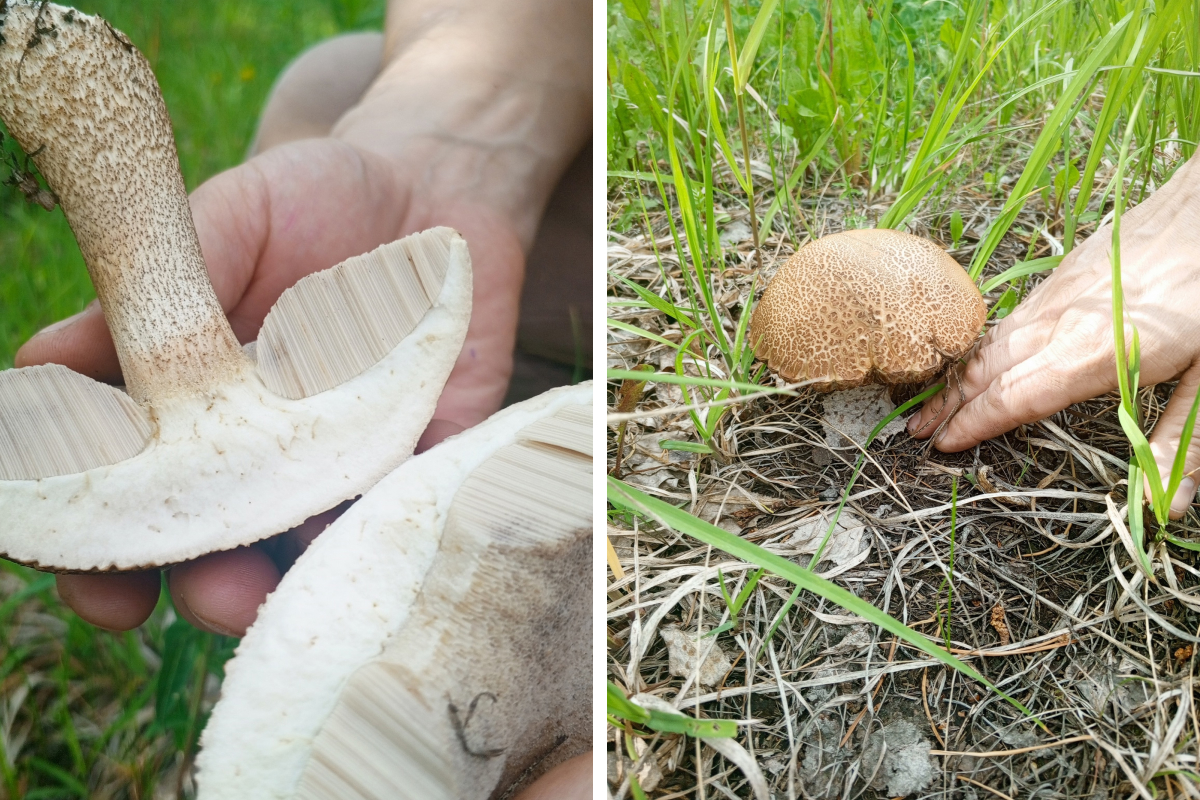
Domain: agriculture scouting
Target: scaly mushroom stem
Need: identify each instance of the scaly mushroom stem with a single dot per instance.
(80, 98)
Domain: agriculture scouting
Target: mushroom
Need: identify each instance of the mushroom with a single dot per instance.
(434, 642)
(214, 445)
(866, 307)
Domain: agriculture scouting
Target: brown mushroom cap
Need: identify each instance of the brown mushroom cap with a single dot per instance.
(866, 306)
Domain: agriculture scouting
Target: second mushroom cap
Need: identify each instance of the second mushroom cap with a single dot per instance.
(866, 306)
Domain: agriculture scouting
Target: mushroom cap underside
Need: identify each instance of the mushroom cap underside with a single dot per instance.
(459, 581)
(228, 469)
(866, 306)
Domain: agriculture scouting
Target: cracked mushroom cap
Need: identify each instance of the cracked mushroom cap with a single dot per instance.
(866, 306)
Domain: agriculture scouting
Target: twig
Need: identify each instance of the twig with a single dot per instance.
(1087, 737)
(996, 792)
(925, 701)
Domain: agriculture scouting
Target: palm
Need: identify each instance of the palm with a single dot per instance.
(308, 205)
(297, 209)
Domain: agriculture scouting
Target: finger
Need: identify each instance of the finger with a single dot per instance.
(285, 548)
(293, 210)
(1070, 370)
(1025, 331)
(996, 355)
(570, 780)
(120, 601)
(435, 432)
(81, 342)
(221, 592)
(1164, 441)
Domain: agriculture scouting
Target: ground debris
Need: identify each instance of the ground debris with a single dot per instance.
(851, 415)
(997, 620)
(898, 757)
(685, 648)
(822, 693)
(647, 772)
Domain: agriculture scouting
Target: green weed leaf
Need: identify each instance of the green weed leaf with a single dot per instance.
(687, 447)
(621, 707)
(637, 10)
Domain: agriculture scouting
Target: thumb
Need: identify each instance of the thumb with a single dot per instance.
(227, 230)
(1164, 441)
(80, 342)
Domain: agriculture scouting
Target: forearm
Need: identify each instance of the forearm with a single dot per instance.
(482, 99)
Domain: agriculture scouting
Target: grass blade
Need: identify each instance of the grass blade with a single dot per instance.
(745, 60)
(1047, 144)
(797, 172)
(621, 707)
(635, 330)
(1185, 439)
(1020, 270)
(670, 309)
(688, 380)
(625, 496)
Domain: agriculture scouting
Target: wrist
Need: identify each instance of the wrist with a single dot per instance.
(476, 105)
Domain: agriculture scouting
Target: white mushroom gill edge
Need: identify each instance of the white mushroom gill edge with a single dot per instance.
(228, 461)
(329, 327)
(189, 492)
(336, 611)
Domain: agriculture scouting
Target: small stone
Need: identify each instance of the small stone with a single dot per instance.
(907, 767)
(852, 414)
(684, 649)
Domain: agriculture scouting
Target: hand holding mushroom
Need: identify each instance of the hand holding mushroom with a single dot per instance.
(410, 156)
(1056, 347)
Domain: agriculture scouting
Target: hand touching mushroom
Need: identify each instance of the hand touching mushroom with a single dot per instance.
(410, 155)
(1056, 348)
(866, 306)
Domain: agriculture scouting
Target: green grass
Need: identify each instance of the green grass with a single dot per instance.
(895, 107)
(83, 712)
(893, 110)
(216, 61)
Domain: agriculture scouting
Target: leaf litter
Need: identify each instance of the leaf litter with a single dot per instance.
(1045, 601)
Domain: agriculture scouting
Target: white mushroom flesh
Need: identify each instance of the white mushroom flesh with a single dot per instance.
(462, 578)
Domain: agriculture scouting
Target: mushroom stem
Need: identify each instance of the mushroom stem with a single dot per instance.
(84, 103)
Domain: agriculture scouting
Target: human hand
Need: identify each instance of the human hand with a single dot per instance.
(388, 170)
(570, 780)
(294, 210)
(1056, 348)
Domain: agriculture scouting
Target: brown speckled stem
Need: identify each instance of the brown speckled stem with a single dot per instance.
(78, 94)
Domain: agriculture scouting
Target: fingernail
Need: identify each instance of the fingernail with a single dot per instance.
(1183, 497)
(215, 628)
(913, 423)
(207, 623)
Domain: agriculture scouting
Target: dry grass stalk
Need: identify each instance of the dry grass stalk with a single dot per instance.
(1079, 638)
